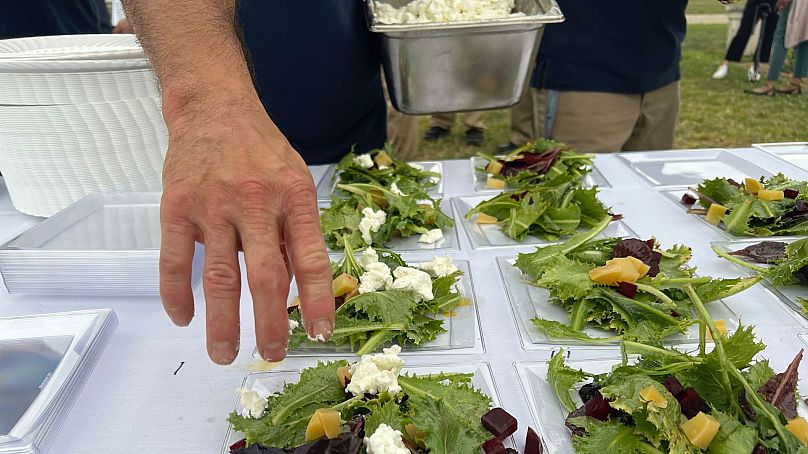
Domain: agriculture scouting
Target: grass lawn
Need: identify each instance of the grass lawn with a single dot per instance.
(705, 7)
(714, 113)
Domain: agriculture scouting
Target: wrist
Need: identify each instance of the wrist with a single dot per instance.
(199, 98)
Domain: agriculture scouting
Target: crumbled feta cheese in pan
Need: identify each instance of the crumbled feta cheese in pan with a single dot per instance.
(420, 11)
(254, 405)
(371, 222)
(377, 277)
(376, 373)
(363, 160)
(431, 236)
(415, 281)
(439, 266)
(385, 440)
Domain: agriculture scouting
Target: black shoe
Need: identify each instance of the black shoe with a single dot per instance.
(475, 137)
(435, 133)
(505, 148)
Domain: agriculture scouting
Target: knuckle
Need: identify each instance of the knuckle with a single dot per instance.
(221, 280)
(176, 202)
(252, 191)
(172, 269)
(298, 184)
(312, 263)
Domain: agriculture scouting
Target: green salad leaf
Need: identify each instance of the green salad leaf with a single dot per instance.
(407, 177)
(791, 268)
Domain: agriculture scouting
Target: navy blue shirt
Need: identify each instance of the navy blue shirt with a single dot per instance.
(625, 46)
(317, 69)
(24, 18)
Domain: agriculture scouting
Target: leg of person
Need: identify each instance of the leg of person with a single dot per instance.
(587, 121)
(800, 69)
(523, 122)
(656, 125)
(402, 133)
(748, 19)
(778, 56)
(768, 32)
(439, 126)
(473, 121)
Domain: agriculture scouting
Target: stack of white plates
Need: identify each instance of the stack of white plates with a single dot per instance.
(104, 244)
(78, 115)
(46, 360)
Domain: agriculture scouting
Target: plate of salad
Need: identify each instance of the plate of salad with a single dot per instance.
(533, 163)
(689, 167)
(543, 213)
(660, 399)
(376, 404)
(381, 168)
(378, 216)
(600, 291)
(768, 206)
(381, 299)
(782, 262)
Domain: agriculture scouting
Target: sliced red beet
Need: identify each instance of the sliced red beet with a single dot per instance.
(688, 199)
(589, 391)
(533, 443)
(733, 182)
(241, 444)
(791, 193)
(627, 289)
(760, 449)
(511, 451)
(499, 422)
(674, 313)
(673, 385)
(598, 408)
(691, 402)
(494, 446)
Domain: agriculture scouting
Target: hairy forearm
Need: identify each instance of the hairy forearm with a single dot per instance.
(194, 49)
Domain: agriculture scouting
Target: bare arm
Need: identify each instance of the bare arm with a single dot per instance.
(230, 180)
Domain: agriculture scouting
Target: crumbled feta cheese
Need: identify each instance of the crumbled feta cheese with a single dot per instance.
(434, 180)
(383, 167)
(293, 324)
(318, 338)
(254, 405)
(369, 256)
(419, 11)
(431, 236)
(412, 164)
(439, 266)
(376, 373)
(371, 222)
(385, 440)
(375, 278)
(415, 281)
(363, 160)
(395, 190)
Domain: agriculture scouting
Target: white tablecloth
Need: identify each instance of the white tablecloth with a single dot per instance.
(134, 403)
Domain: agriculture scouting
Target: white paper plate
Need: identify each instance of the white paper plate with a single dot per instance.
(66, 43)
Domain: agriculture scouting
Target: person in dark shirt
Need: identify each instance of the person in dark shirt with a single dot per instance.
(25, 18)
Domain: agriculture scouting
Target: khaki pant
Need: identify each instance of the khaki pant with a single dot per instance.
(471, 120)
(402, 130)
(600, 122)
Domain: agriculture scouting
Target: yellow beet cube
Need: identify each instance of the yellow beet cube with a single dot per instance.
(701, 430)
(652, 395)
(325, 422)
(606, 274)
(483, 218)
(641, 267)
(769, 195)
(295, 302)
(752, 186)
(382, 159)
(494, 183)
(344, 374)
(799, 427)
(494, 167)
(715, 213)
(721, 326)
(344, 284)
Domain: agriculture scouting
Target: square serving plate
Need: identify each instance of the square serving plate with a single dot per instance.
(270, 382)
(548, 411)
(528, 301)
(448, 243)
(690, 167)
(594, 178)
(787, 294)
(794, 152)
(484, 236)
(463, 334)
(328, 183)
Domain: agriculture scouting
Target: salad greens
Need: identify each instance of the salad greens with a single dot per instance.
(788, 265)
(548, 210)
(380, 310)
(439, 414)
(782, 211)
(384, 170)
(722, 401)
(647, 310)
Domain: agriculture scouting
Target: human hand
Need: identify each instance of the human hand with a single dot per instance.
(232, 181)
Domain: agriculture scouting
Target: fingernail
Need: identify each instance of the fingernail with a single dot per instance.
(273, 351)
(223, 352)
(178, 317)
(320, 330)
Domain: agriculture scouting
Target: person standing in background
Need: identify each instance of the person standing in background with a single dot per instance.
(441, 124)
(791, 32)
(20, 19)
(752, 11)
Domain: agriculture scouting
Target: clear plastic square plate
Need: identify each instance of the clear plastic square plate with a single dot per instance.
(788, 294)
(328, 183)
(794, 152)
(271, 382)
(463, 334)
(594, 178)
(528, 302)
(483, 236)
(690, 167)
(449, 242)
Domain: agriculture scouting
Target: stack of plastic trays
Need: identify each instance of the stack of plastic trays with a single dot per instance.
(45, 360)
(104, 244)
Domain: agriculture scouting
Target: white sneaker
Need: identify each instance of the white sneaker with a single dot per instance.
(754, 74)
(721, 72)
